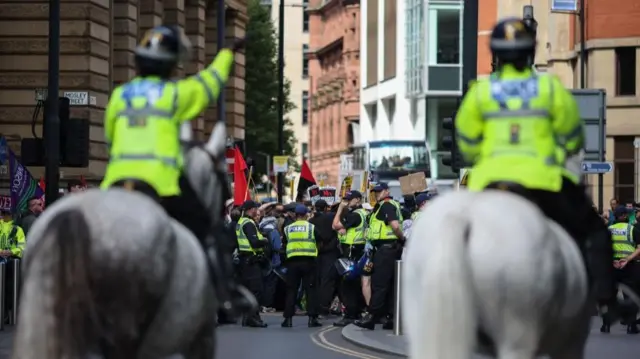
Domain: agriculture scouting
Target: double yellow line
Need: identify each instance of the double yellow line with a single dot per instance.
(319, 338)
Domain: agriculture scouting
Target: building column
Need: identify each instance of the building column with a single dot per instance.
(125, 36)
(151, 14)
(195, 25)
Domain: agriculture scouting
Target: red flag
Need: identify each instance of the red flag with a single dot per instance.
(41, 183)
(306, 179)
(240, 185)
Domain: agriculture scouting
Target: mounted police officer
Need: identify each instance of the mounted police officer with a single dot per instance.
(351, 227)
(301, 253)
(385, 234)
(519, 128)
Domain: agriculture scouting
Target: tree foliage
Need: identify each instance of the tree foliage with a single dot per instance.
(261, 91)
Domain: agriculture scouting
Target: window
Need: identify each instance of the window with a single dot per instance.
(624, 168)
(444, 34)
(305, 61)
(414, 47)
(625, 71)
(305, 16)
(398, 156)
(305, 107)
(305, 150)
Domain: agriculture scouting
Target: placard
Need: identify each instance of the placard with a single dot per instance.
(328, 194)
(280, 164)
(415, 182)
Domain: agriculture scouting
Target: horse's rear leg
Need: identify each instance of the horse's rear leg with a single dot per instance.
(203, 345)
(517, 342)
(517, 353)
(575, 352)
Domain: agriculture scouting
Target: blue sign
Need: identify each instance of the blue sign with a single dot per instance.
(597, 167)
(564, 5)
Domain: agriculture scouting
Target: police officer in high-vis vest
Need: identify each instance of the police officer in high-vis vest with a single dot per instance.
(626, 256)
(385, 234)
(251, 246)
(142, 122)
(301, 253)
(421, 202)
(519, 127)
(351, 221)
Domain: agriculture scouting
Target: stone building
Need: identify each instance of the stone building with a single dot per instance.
(334, 76)
(97, 42)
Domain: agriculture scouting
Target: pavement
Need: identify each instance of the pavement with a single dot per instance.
(274, 342)
(618, 344)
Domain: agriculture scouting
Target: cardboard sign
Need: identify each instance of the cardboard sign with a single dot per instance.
(346, 185)
(415, 182)
(314, 193)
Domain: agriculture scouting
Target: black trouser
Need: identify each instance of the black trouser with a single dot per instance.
(384, 266)
(250, 273)
(327, 279)
(572, 210)
(270, 288)
(301, 271)
(630, 275)
(352, 297)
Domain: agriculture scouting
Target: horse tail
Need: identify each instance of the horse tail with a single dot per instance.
(446, 315)
(62, 262)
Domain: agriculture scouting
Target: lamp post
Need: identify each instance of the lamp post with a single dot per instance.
(530, 21)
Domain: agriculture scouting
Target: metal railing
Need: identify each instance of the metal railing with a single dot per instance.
(13, 266)
(397, 307)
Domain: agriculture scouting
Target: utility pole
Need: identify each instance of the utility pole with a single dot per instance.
(280, 181)
(51, 120)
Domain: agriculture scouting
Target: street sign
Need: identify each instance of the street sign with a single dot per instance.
(564, 5)
(280, 164)
(77, 98)
(592, 107)
(597, 167)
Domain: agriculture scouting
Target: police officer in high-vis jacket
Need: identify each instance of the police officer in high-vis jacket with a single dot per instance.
(351, 221)
(301, 253)
(251, 246)
(626, 256)
(142, 122)
(385, 233)
(519, 127)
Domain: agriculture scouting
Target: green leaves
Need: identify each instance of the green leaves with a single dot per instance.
(261, 91)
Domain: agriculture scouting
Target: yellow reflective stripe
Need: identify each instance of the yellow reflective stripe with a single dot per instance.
(509, 114)
(169, 161)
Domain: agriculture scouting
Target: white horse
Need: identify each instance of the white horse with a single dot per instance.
(489, 272)
(108, 274)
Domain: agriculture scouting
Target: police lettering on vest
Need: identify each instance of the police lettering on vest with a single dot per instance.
(355, 235)
(378, 229)
(301, 240)
(623, 241)
(243, 242)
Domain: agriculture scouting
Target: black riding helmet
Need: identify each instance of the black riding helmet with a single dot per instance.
(512, 40)
(160, 51)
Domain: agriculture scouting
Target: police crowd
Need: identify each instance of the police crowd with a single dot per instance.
(330, 260)
(625, 233)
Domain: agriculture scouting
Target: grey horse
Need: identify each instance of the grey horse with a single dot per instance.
(108, 274)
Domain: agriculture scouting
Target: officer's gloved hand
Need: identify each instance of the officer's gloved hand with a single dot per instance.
(238, 44)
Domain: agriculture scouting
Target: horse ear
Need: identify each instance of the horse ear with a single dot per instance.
(217, 141)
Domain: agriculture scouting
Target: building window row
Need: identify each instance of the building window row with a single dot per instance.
(305, 61)
(414, 47)
(305, 107)
(626, 83)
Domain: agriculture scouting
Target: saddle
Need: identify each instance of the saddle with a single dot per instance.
(133, 184)
(512, 187)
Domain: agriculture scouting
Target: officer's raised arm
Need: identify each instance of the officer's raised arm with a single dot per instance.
(469, 125)
(567, 125)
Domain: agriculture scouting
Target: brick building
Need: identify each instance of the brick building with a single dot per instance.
(613, 49)
(97, 42)
(334, 60)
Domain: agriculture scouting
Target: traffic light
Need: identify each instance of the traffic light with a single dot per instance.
(450, 144)
(74, 141)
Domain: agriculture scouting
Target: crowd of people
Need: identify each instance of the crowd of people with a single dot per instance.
(321, 258)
